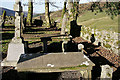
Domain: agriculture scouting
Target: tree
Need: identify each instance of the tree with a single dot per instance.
(30, 13)
(75, 6)
(47, 14)
(111, 8)
(64, 9)
(3, 18)
(69, 15)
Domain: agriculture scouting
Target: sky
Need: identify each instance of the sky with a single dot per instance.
(38, 6)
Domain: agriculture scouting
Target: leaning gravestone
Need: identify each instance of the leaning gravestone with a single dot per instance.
(15, 47)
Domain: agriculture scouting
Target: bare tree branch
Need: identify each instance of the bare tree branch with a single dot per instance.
(53, 4)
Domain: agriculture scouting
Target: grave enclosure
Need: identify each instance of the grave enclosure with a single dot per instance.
(46, 62)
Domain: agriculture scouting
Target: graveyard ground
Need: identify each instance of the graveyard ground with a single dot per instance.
(88, 18)
(33, 34)
(100, 21)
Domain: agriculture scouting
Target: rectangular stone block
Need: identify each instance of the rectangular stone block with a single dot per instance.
(14, 51)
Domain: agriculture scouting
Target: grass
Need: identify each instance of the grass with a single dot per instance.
(9, 25)
(73, 68)
(5, 46)
(101, 21)
(6, 41)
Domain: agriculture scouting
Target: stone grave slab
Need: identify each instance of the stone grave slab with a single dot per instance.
(53, 60)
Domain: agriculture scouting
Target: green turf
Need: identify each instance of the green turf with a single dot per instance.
(101, 21)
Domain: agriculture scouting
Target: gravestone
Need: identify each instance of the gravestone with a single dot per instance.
(75, 29)
(106, 72)
(38, 22)
(15, 47)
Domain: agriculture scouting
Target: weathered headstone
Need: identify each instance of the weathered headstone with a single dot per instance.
(15, 47)
(75, 29)
(106, 72)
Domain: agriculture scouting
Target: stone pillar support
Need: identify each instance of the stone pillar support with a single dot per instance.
(64, 46)
(44, 40)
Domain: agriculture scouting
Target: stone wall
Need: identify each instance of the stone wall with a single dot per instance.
(108, 39)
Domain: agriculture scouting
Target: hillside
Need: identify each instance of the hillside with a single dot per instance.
(101, 21)
(88, 18)
(9, 12)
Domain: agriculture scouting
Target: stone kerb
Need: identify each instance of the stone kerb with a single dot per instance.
(45, 40)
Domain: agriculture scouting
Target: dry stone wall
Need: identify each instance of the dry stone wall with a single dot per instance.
(109, 39)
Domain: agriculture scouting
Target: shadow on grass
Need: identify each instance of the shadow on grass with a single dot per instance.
(55, 47)
(6, 36)
(35, 49)
(8, 30)
(29, 29)
(25, 75)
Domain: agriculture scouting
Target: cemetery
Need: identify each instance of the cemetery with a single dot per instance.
(60, 49)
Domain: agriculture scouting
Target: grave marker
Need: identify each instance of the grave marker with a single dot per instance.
(15, 47)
